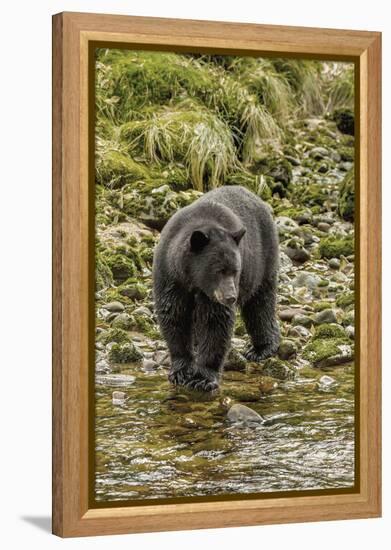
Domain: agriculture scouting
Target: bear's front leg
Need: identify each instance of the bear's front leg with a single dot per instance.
(213, 327)
(174, 310)
(259, 315)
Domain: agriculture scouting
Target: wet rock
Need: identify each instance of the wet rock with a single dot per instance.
(226, 402)
(326, 383)
(322, 226)
(319, 153)
(149, 365)
(289, 313)
(235, 361)
(102, 367)
(350, 332)
(299, 255)
(287, 349)
(334, 263)
(114, 307)
(121, 380)
(325, 316)
(299, 331)
(267, 385)
(306, 279)
(285, 263)
(303, 320)
(124, 353)
(243, 414)
(278, 369)
(118, 397)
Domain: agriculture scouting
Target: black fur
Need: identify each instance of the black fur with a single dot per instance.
(220, 251)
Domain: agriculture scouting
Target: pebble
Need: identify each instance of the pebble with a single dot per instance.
(102, 367)
(142, 310)
(325, 316)
(299, 332)
(334, 263)
(350, 331)
(299, 255)
(287, 349)
(114, 307)
(324, 227)
(288, 314)
(118, 397)
(161, 357)
(302, 320)
(306, 279)
(149, 365)
(319, 153)
(243, 414)
(325, 383)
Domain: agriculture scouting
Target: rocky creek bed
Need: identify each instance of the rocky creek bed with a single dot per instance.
(284, 424)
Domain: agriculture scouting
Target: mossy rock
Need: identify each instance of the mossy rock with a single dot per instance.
(329, 352)
(347, 154)
(329, 330)
(335, 246)
(278, 369)
(124, 353)
(346, 300)
(133, 289)
(103, 273)
(115, 169)
(346, 197)
(121, 267)
(116, 335)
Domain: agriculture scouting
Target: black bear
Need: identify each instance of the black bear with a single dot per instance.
(218, 253)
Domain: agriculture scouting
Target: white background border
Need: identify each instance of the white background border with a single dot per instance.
(25, 275)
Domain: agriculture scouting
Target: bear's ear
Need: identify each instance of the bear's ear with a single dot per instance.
(198, 240)
(237, 236)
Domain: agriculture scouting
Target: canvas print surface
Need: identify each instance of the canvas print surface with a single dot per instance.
(224, 276)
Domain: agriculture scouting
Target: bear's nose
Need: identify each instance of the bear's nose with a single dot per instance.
(231, 300)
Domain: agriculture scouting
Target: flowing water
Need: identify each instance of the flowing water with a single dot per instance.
(164, 443)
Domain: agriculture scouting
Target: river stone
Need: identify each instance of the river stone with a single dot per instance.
(118, 397)
(334, 263)
(319, 153)
(289, 313)
(122, 320)
(102, 367)
(120, 380)
(302, 320)
(299, 331)
(243, 414)
(346, 355)
(306, 279)
(299, 255)
(277, 369)
(235, 361)
(285, 263)
(325, 316)
(142, 310)
(287, 349)
(350, 331)
(322, 226)
(325, 383)
(149, 364)
(114, 307)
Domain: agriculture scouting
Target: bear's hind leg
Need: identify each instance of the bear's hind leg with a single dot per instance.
(213, 326)
(259, 315)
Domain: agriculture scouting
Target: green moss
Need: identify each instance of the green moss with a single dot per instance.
(329, 330)
(320, 306)
(121, 267)
(133, 289)
(279, 369)
(346, 197)
(347, 154)
(103, 274)
(124, 353)
(113, 335)
(114, 169)
(346, 300)
(323, 348)
(335, 246)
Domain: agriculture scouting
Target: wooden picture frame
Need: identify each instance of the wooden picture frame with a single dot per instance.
(73, 33)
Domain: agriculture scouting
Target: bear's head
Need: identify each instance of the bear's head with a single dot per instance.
(215, 263)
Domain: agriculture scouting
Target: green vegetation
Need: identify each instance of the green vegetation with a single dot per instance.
(336, 246)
